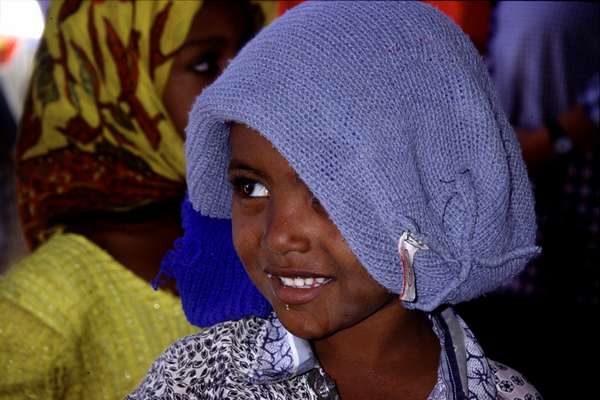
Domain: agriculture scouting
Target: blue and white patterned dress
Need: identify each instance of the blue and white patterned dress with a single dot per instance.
(256, 358)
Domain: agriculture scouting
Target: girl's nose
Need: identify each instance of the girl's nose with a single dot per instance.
(288, 226)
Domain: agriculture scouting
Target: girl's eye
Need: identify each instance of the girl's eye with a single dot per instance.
(250, 188)
(201, 67)
(205, 67)
(254, 189)
(317, 206)
(207, 64)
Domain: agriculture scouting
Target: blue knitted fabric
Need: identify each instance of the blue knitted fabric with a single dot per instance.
(211, 280)
(386, 112)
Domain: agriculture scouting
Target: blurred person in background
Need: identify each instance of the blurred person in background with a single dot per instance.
(21, 26)
(545, 60)
(473, 17)
(100, 177)
(7, 219)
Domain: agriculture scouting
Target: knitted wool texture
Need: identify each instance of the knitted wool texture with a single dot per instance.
(211, 279)
(386, 112)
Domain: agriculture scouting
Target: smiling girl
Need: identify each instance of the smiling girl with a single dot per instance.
(372, 180)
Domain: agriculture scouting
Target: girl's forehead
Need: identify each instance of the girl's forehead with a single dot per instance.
(245, 141)
(250, 147)
(251, 150)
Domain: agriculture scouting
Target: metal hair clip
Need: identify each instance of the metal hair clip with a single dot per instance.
(408, 245)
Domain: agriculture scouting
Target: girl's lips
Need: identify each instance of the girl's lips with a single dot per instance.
(303, 292)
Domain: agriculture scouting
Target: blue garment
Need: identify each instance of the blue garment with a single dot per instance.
(545, 60)
(543, 56)
(388, 115)
(211, 280)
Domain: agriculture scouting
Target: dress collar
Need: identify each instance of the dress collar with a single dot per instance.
(464, 371)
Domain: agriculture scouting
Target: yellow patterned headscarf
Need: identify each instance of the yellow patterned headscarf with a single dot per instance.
(95, 134)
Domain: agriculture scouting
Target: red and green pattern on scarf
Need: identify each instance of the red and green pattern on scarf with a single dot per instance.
(95, 135)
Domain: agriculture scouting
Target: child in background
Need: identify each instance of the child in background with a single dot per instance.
(372, 181)
(100, 179)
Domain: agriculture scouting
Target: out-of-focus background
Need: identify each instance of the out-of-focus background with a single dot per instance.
(544, 58)
(21, 26)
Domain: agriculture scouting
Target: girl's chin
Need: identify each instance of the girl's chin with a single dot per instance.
(302, 324)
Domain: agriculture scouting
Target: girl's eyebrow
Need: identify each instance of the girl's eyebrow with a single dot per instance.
(207, 40)
(235, 164)
(202, 43)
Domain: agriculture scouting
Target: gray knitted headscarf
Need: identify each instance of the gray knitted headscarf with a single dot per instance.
(386, 112)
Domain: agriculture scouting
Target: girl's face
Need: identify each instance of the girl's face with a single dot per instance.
(291, 250)
(217, 32)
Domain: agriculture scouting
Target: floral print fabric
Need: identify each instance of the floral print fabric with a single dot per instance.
(256, 358)
(95, 135)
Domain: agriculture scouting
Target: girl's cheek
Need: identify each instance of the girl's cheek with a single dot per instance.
(245, 242)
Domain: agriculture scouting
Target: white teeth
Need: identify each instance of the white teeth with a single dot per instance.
(303, 283)
(287, 281)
